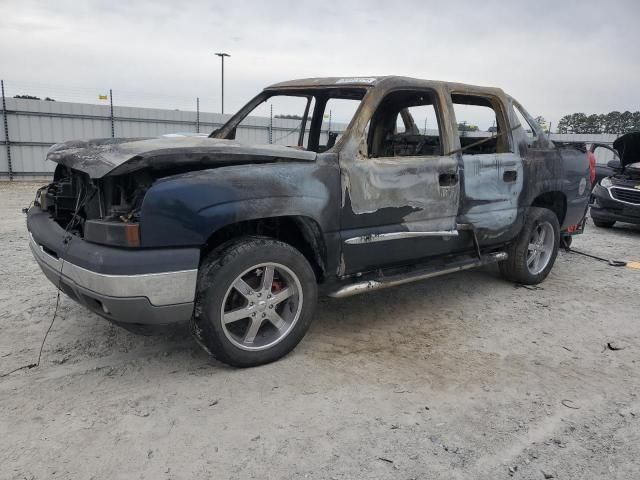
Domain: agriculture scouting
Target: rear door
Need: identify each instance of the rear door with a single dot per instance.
(493, 172)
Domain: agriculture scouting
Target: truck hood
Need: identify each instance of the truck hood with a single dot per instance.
(115, 156)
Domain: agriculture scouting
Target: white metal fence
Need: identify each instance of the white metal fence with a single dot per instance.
(33, 126)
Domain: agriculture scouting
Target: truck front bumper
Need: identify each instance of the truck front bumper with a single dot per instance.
(135, 287)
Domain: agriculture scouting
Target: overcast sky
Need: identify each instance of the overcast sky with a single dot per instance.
(555, 57)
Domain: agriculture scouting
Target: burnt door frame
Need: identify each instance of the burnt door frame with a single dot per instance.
(399, 210)
(492, 183)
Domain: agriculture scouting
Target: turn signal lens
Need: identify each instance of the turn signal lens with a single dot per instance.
(132, 234)
(117, 234)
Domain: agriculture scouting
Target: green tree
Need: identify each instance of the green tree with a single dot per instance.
(612, 122)
(592, 124)
(28, 97)
(564, 124)
(466, 127)
(540, 120)
(626, 121)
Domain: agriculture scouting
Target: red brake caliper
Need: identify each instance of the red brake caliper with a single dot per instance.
(276, 286)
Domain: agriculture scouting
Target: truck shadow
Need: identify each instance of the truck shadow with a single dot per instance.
(427, 302)
(401, 321)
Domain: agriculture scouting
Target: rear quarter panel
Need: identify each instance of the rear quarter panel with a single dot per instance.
(557, 169)
(549, 168)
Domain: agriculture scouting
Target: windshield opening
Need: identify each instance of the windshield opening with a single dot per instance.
(307, 119)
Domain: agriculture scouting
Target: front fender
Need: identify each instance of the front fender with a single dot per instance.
(185, 210)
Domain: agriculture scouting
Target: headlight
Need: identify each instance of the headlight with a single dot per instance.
(606, 182)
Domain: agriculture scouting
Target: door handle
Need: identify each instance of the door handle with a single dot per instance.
(448, 179)
(510, 175)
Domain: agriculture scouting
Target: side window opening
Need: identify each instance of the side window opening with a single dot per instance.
(311, 119)
(290, 115)
(405, 124)
(481, 125)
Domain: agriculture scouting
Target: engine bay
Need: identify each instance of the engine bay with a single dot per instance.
(77, 202)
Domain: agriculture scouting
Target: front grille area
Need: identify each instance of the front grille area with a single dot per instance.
(626, 195)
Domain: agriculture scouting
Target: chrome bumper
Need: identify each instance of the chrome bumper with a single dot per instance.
(152, 298)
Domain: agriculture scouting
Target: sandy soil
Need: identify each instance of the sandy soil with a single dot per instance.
(465, 376)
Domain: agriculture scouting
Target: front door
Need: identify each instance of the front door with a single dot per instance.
(400, 193)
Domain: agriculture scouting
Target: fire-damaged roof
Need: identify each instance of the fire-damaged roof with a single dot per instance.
(371, 81)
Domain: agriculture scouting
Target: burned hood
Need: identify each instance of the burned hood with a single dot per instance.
(116, 156)
(628, 148)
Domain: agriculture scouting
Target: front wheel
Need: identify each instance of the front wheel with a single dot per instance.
(532, 255)
(255, 301)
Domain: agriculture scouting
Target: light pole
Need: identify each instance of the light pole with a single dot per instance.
(222, 55)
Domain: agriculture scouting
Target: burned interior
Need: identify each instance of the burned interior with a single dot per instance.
(393, 131)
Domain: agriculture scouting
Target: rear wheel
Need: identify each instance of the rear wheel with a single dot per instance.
(532, 255)
(603, 223)
(255, 301)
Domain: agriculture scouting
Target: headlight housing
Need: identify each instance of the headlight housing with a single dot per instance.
(606, 182)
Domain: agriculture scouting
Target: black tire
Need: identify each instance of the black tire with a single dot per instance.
(515, 268)
(220, 269)
(603, 223)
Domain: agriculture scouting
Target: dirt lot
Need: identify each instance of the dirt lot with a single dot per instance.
(466, 376)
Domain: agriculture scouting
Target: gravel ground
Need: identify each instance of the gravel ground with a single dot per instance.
(464, 376)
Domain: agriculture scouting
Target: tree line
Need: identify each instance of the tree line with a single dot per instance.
(33, 97)
(612, 122)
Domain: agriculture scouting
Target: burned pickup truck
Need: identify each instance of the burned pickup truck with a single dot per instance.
(241, 238)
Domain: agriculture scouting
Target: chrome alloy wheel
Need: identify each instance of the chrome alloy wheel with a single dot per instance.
(261, 306)
(540, 248)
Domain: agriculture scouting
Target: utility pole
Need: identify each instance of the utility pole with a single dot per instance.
(197, 114)
(222, 55)
(113, 127)
(6, 133)
(271, 123)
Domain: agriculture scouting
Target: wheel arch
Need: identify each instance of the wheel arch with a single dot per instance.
(301, 232)
(553, 200)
